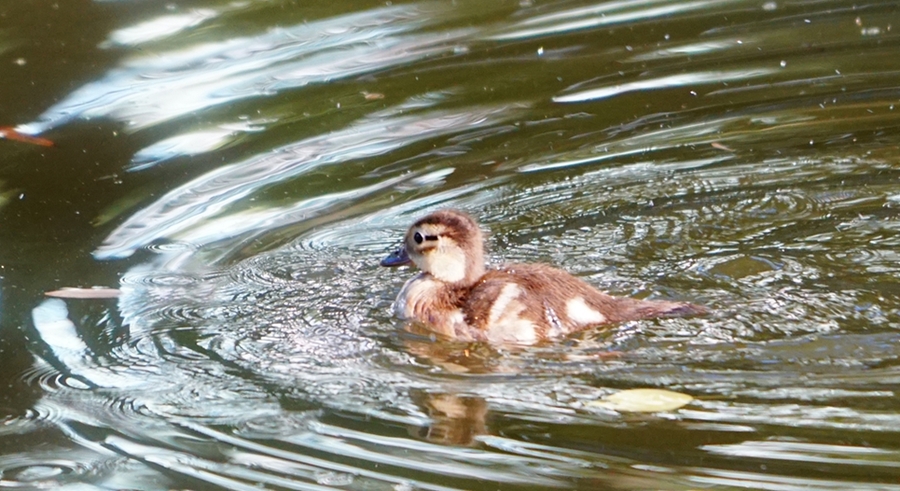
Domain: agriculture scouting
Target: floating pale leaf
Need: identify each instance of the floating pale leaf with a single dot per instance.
(96, 292)
(721, 146)
(644, 400)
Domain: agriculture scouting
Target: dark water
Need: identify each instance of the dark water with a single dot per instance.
(238, 169)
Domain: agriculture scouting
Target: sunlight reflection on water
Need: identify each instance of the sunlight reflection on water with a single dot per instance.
(645, 150)
(150, 90)
(207, 196)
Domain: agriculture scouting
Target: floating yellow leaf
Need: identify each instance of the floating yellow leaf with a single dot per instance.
(644, 400)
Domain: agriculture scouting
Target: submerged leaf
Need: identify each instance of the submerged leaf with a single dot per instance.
(644, 400)
(5, 196)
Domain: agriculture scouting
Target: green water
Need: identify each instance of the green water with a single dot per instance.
(238, 169)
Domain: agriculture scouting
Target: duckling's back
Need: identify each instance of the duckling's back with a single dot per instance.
(526, 303)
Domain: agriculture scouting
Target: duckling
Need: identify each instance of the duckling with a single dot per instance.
(458, 298)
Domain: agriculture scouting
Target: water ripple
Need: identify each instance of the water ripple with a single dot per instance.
(607, 14)
(29, 471)
(253, 343)
(686, 80)
(238, 68)
(160, 27)
(206, 196)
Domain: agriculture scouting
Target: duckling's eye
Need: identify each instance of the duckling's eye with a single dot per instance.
(418, 238)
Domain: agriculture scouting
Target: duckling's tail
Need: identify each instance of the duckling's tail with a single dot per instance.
(685, 310)
(648, 309)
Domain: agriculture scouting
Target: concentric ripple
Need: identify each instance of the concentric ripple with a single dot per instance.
(737, 154)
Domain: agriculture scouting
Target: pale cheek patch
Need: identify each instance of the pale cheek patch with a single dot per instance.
(580, 313)
(446, 266)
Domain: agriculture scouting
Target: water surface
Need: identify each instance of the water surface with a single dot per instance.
(238, 169)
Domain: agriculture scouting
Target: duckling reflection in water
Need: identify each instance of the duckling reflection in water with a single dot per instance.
(455, 296)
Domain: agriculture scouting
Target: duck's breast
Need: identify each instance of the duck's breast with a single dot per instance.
(428, 301)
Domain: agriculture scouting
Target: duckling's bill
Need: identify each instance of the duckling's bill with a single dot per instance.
(397, 258)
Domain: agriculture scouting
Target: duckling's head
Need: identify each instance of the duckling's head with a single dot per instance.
(446, 244)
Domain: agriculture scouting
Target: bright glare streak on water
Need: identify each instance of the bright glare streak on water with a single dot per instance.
(686, 80)
(160, 27)
(731, 153)
(152, 89)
